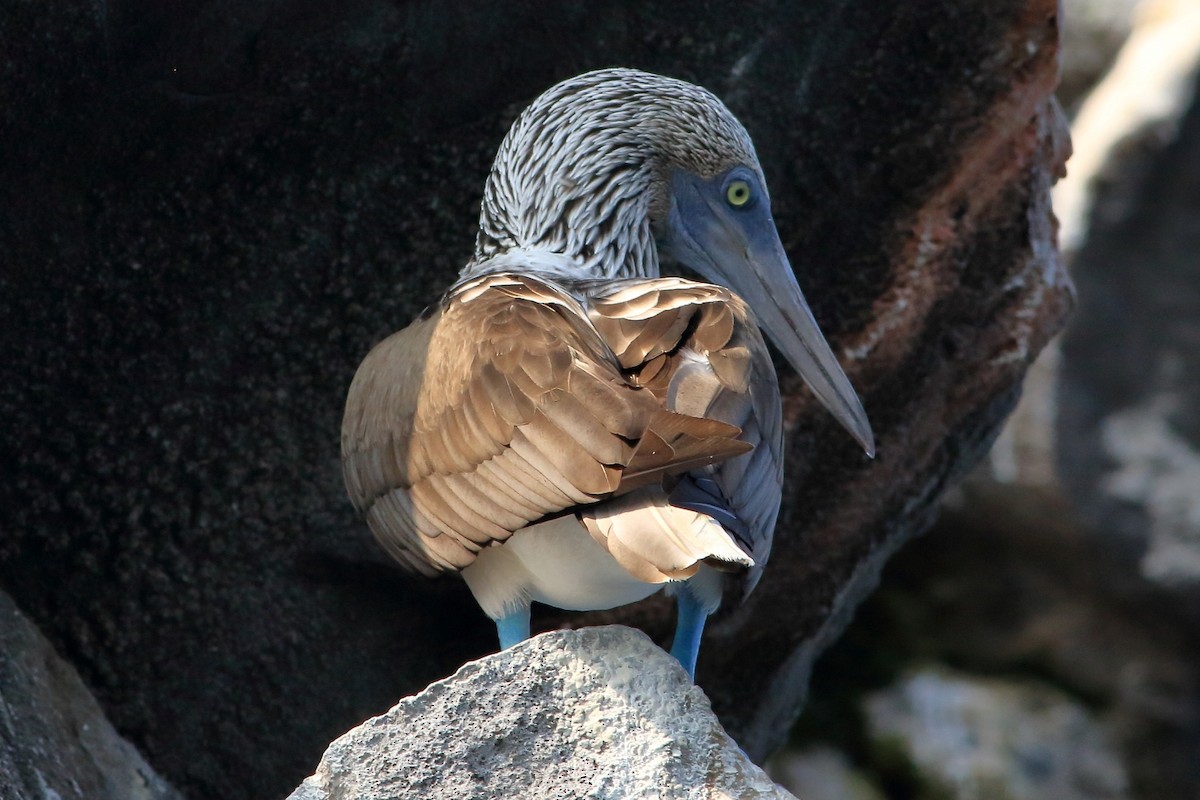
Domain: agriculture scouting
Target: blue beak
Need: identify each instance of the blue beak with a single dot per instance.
(740, 248)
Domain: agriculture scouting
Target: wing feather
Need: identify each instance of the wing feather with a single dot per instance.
(503, 406)
(512, 402)
(507, 488)
(539, 485)
(568, 413)
(720, 369)
(578, 469)
(610, 402)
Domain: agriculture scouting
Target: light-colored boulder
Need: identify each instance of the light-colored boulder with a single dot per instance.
(986, 739)
(598, 712)
(1093, 32)
(821, 773)
(55, 743)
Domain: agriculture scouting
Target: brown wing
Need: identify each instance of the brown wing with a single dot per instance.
(501, 408)
(698, 348)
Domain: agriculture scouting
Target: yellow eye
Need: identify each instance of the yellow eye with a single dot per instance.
(737, 193)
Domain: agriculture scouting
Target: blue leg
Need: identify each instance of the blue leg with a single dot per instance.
(513, 628)
(688, 628)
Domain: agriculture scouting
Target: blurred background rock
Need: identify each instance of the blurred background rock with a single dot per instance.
(1043, 640)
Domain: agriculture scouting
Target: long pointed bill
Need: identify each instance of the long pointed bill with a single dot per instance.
(769, 286)
(741, 250)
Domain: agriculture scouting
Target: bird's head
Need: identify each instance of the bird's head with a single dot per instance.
(612, 169)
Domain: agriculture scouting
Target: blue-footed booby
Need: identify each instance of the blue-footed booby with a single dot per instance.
(569, 426)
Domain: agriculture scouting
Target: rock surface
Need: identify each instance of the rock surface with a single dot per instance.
(209, 211)
(1129, 432)
(821, 773)
(55, 743)
(976, 739)
(1072, 558)
(1093, 33)
(1113, 413)
(1011, 589)
(601, 713)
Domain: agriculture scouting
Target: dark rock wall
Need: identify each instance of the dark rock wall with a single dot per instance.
(209, 212)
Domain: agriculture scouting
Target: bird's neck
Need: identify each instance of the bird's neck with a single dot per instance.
(529, 261)
(592, 228)
(554, 263)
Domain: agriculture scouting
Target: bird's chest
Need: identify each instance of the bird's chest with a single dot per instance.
(557, 563)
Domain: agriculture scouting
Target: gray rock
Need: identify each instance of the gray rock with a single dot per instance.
(821, 773)
(1129, 420)
(985, 739)
(1009, 584)
(600, 713)
(55, 742)
(1093, 32)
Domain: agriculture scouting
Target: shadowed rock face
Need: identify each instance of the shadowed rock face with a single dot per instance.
(55, 742)
(210, 211)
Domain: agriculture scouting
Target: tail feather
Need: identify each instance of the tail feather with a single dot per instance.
(658, 542)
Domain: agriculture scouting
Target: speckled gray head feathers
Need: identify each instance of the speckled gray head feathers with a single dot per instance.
(584, 170)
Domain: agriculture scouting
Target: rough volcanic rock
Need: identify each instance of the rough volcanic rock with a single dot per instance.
(209, 211)
(55, 743)
(601, 713)
(1090, 514)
